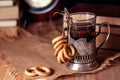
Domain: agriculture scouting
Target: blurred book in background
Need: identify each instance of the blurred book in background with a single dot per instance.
(9, 13)
(4, 3)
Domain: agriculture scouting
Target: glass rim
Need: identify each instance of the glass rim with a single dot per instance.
(89, 13)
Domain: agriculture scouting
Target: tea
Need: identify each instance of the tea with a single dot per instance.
(82, 30)
(82, 36)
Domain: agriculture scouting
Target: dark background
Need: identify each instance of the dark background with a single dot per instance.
(99, 7)
(107, 2)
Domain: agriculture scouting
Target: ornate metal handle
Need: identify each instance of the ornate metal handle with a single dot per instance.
(107, 37)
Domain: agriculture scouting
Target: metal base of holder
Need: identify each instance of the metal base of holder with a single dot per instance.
(82, 66)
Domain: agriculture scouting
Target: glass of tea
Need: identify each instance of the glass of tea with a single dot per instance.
(82, 34)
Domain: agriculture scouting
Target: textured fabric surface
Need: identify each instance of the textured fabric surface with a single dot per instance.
(28, 50)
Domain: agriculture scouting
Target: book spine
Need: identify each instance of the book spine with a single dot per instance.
(9, 13)
(5, 3)
(8, 23)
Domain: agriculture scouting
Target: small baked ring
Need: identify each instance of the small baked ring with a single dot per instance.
(30, 72)
(59, 43)
(43, 71)
(69, 51)
(59, 57)
(58, 38)
(73, 51)
(62, 58)
(58, 49)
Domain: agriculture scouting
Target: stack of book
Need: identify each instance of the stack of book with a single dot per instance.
(9, 13)
(9, 16)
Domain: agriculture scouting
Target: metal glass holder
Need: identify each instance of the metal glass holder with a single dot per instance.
(85, 62)
(82, 63)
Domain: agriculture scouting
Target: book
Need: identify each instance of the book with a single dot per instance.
(8, 23)
(10, 12)
(4, 3)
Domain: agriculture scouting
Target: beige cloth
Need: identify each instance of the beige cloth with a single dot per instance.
(28, 50)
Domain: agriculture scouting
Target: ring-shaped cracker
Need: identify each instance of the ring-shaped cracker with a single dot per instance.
(30, 72)
(58, 49)
(59, 43)
(69, 51)
(43, 71)
(58, 38)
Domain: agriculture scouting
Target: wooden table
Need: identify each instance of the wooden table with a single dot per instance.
(25, 50)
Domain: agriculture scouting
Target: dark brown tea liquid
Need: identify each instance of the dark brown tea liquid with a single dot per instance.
(83, 30)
